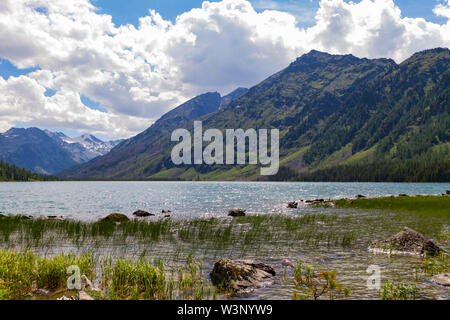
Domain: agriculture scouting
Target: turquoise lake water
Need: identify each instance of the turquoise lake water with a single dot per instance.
(91, 200)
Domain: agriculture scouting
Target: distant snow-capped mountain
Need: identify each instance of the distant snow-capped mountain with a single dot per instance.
(47, 152)
(84, 147)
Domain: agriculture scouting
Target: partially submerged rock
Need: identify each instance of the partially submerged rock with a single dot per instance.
(166, 211)
(406, 241)
(241, 277)
(442, 279)
(236, 213)
(142, 213)
(360, 196)
(292, 205)
(115, 217)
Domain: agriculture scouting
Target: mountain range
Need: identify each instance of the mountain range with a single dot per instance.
(341, 118)
(47, 152)
(374, 118)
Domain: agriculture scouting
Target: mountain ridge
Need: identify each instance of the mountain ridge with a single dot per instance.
(330, 109)
(46, 152)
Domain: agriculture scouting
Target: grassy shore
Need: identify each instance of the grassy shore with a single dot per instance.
(433, 205)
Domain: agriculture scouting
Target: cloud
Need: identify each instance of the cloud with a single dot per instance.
(443, 9)
(139, 73)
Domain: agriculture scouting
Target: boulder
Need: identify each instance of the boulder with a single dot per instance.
(442, 279)
(406, 241)
(115, 217)
(236, 213)
(292, 205)
(142, 213)
(241, 277)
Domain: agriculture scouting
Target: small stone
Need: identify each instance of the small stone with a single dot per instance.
(83, 296)
(292, 205)
(287, 263)
(236, 213)
(442, 279)
(142, 213)
(40, 292)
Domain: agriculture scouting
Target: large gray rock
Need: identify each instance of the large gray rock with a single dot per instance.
(406, 241)
(241, 277)
(442, 279)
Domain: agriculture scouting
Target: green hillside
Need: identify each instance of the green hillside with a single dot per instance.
(341, 118)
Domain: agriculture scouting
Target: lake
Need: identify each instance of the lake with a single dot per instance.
(88, 201)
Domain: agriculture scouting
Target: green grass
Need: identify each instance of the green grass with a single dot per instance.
(436, 205)
(23, 272)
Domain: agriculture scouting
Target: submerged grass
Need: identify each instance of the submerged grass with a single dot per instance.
(215, 234)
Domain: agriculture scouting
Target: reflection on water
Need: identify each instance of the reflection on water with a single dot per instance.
(91, 200)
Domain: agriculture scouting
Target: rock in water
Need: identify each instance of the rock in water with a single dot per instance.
(293, 205)
(406, 241)
(142, 213)
(241, 277)
(115, 217)
(442, 279)
(236, 213)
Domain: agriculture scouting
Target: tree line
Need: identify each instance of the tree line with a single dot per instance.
(13, 173)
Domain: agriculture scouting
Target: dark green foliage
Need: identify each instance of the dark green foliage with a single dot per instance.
(429, 167)
(13, 173)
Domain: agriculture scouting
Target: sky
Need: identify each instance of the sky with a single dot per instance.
(113, 67)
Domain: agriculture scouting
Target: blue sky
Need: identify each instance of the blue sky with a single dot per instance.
(71, 57)
(170, 9)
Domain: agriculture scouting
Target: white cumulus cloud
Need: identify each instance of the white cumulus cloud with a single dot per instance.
(139, 73)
